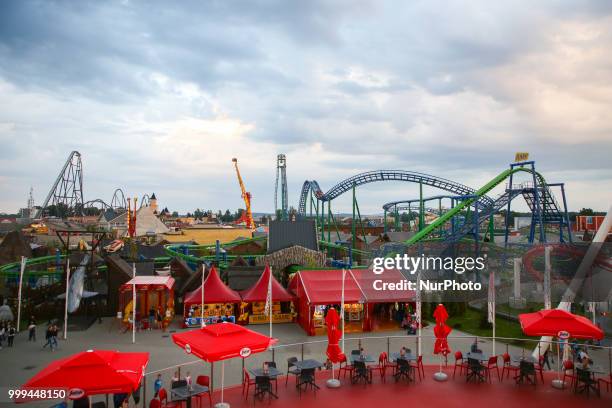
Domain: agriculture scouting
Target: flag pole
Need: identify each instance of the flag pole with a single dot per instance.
(133, 302)
(271, 300)
(202, 324)
(23, 265)
(342, 308)
(66, 303)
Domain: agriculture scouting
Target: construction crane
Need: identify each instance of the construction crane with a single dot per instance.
(247, 216)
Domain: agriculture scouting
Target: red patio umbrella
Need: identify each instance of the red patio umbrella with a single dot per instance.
(441, 331)
(222, 341)
(559, 323)
(93, 372)
(550, 322)
(333, 337)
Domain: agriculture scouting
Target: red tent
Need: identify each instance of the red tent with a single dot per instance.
(550, 322)
(93, 372)
(222, 341)
(215, 291)
(259, 291)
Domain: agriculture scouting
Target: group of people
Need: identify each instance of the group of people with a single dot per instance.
(51, 337)
(7, 333)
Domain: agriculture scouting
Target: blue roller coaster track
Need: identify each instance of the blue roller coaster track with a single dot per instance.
(312, 186)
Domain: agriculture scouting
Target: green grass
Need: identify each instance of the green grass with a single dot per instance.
(471, 322)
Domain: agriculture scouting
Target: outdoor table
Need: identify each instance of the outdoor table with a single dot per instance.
(365, 358)
(477, 356)
(306, 364)
(407, 357)
(186, 392)
(273, 372)
(518, 359)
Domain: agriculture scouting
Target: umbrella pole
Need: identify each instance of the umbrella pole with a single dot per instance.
(222, 378)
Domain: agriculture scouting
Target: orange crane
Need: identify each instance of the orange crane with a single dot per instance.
(247, 216)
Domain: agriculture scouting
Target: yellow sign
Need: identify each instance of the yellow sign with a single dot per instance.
(276, 318)
(521, 157)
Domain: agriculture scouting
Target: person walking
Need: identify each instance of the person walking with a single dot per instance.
(54, 331)
(158, 385)
(32, 329)
(48, 338)
(11, 334)
(2, 334)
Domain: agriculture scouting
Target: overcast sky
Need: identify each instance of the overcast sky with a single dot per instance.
(159, 96)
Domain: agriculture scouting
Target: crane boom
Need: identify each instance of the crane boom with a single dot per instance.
(246, 196)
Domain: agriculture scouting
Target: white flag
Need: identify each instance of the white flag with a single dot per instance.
(491, 298)
(269, 294)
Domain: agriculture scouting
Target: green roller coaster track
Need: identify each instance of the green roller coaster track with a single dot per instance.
(466, 203)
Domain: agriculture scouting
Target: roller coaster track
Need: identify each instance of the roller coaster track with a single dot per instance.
(400, 203)
(384, 175)
(494, 204)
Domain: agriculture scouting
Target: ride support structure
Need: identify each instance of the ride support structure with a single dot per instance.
(281, 175)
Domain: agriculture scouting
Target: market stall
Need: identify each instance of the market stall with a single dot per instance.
(319, 290)
(153, 294)
(220, 302)
(254, 302)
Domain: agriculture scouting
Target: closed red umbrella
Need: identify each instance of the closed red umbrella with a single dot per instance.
(550, 322)
(93, 372)
(441, 331)
(333, 335)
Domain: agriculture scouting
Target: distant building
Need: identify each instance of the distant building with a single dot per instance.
(588, 223)
(153, 203)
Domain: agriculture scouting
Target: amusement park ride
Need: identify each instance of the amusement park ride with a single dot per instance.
(247, 215)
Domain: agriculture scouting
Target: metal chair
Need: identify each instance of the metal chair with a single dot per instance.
(361, 372)
(292, 369)
(459, 362)
(307, 379)
(263, 386)
(527, 372)
(404, 370)
(273, 379)
(475, 371)
(492, 364)
(585, 383)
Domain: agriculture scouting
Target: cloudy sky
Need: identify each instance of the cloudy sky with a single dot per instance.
(159, 96)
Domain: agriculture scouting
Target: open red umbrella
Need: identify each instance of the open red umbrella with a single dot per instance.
(562, 324)
(222, 341)
(93, 372)
(550, 322)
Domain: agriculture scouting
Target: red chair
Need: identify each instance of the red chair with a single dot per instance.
(383, 359)
(568, 365)
(154, 403)
(419, 367)
(246, 382)
(347, 368)
(508, 367)
(540, 368)
(492, 364)
(163, 400)
(204, 380)
(459, 362)
(390, 365)
(607, 383)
